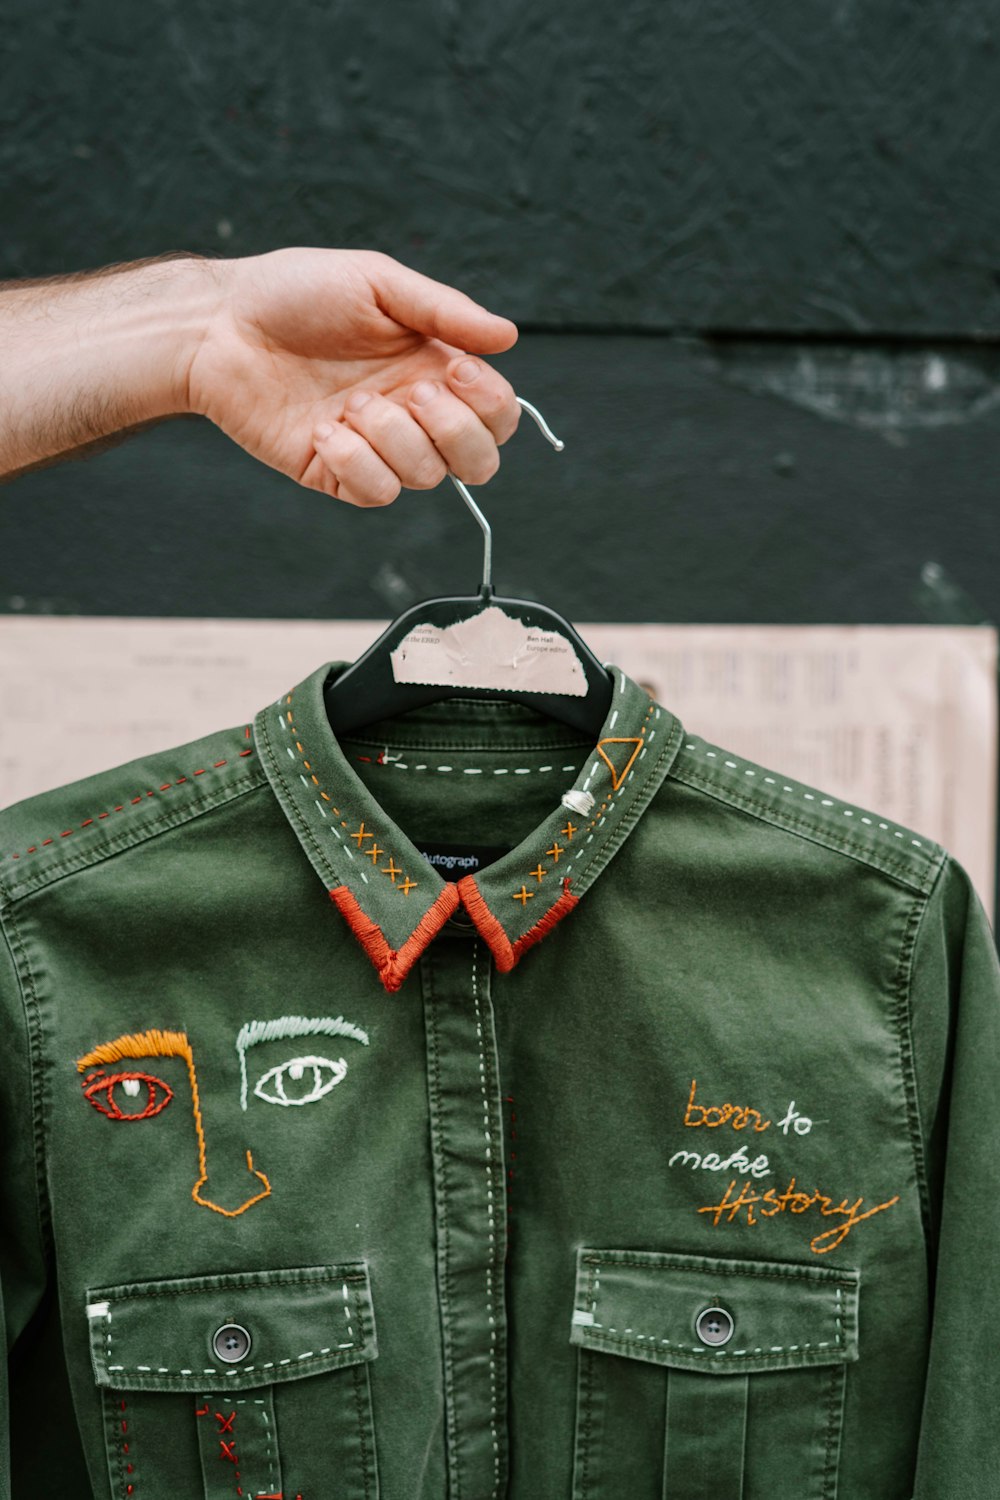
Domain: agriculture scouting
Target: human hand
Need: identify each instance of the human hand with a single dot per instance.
(348, 371)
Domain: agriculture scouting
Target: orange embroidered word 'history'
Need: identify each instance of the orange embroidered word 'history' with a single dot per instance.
(733, 1204)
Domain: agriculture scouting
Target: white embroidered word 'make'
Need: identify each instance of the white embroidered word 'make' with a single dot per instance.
(737, 1162)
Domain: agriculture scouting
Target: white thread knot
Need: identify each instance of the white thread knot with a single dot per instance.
(578, 802)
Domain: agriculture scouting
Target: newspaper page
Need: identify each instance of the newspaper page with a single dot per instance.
(900, 720)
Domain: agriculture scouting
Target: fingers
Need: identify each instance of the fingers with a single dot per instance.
(466, 429)
(350, 469)
(430, 307)
(400, 442)
(380, 446)
(484, 390)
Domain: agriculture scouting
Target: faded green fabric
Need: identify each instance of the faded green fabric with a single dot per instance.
(655, 1159)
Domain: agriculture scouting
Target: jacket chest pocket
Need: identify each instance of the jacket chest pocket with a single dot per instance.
(252, 1384)
(702, 1378)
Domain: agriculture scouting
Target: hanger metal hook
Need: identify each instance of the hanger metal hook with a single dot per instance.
(484, 525)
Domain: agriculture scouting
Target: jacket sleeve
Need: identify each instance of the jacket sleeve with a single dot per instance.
(23, 1271)
(955, 1029)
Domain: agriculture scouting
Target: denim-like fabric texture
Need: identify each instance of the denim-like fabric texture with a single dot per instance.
(656, 1159)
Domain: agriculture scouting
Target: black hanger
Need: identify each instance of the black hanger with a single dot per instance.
(368, 691)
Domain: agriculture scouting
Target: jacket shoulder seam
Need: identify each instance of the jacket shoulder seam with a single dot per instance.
(903, 873)
(18, 887)
(903, 980)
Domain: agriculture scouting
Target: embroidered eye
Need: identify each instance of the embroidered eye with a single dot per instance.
(128, 1096)
(301, 1080)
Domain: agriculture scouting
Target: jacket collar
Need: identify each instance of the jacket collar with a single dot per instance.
(394, 901)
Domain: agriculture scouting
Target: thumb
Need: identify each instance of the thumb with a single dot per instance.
(440, 311)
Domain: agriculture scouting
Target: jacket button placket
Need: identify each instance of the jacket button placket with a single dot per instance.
(467, 1151)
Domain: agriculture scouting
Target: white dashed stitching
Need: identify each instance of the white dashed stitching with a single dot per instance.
(848, 812)
(490, 1210)
(347, 1312)
(402, 765)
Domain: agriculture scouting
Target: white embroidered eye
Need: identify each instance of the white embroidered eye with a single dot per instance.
(131, 1087)
(316, 1075)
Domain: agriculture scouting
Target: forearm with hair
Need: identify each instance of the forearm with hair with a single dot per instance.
(85, 359)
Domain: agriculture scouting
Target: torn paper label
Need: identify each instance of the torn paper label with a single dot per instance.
(492, 650)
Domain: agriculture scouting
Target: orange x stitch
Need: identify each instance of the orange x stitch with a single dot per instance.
(524, 895)
(392, 870)
(555, 852)
(407, 886)
(361, 835)
(539, 872)
(374, 852)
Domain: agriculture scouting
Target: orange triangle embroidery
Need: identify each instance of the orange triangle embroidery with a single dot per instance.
(617, 777)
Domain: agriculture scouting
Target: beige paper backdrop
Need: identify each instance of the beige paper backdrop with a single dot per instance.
(901, 720)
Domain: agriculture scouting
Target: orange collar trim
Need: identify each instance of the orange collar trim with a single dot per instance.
(513, 902)
(393, 964)
(490, 928)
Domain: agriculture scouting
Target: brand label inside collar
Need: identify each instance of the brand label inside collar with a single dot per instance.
(452, 861)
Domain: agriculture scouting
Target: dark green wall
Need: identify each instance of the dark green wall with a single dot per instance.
(754, 249)
(806, 165)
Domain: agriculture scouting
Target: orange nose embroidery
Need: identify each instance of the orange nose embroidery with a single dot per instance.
(229, 1213)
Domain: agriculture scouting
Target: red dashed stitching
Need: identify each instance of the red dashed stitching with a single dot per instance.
(166, 787)
(129, 1466)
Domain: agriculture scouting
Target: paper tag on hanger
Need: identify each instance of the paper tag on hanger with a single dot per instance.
(492, 650)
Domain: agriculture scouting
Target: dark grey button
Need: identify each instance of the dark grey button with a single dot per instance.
(231, 1343)
(714, 1326)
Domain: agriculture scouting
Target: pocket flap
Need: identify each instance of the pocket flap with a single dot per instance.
(772, 1315)
(246, 1329)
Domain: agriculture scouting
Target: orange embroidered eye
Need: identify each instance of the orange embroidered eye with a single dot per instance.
(128, 1096)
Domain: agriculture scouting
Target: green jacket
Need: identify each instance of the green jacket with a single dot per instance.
(655, 1156)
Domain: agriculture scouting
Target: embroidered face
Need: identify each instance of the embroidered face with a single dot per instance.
(130, 1094)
